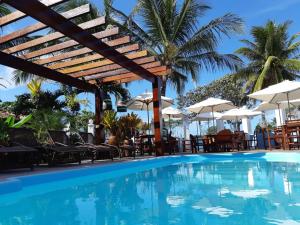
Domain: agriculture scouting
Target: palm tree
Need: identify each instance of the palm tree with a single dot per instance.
(4, 10)
(273, 56)
(2, 85)
(173, 34)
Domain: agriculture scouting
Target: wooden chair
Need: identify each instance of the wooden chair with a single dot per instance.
(209, 143)
(224, 140)
(196, 143)
(292, 132)
(239, 140)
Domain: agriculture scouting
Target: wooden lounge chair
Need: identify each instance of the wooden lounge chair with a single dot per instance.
(101, 151)
(60, 151)
(22, 152)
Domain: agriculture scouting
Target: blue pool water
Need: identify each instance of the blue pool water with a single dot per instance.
(190, 190)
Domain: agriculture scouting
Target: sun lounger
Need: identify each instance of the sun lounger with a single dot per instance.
(22, 152)
(61, 151)
(100, 150)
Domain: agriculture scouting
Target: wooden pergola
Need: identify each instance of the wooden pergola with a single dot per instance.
(77, 57)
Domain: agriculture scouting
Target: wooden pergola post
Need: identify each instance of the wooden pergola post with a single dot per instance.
(156, 89)
(99, 128)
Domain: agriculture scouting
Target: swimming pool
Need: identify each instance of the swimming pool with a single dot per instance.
(258, 188)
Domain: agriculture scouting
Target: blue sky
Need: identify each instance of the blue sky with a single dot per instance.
(254, 13)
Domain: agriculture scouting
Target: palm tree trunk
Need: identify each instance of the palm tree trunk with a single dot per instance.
(164, 85)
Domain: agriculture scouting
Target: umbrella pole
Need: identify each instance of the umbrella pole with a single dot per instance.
(148, 118)
(288, 99)
(169, 124)
(280, 119)
(213, 116)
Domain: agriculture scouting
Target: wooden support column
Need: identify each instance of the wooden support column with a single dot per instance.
(156, 88)
(99, 128)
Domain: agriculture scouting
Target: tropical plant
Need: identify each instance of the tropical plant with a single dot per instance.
(173, 34)
(117, 90)
(34, 86)
(128, 124)
(82, 119)
(44, 120)
(4, 10)
(8, 123)
(273, 56)
(110, 122)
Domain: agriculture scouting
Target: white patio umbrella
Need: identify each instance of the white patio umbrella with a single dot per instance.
(144, 102)
(283, 91)
(265, 106)
(211, 105)
(171, 113)
(239, 113)
(206, 117)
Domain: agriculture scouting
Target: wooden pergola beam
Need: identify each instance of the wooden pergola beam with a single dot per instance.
(29, 67)
(113, 67)
(43, 14)
(122, 71)
(105, 62)
(131, 78)
(89, 66)
(39, 26)
(53, 36)
(158, 71)
(17, 15)
(64, 45)
(93, 57)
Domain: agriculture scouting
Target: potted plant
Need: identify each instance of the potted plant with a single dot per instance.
(111, 124)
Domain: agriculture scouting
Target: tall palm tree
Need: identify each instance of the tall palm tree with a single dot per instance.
(172, 32)
(4, 10)
(2, 85)
(273, 56)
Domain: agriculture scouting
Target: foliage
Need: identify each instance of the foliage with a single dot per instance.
(8, 123)
(144, 127)
(34, 86)
(6, 106)
(173, 34)
(4, 10)
(2, 85)
(227, 87)
(273, 56)
(110, 121)
(116, 89)
(26, 104)
(212, 130)
(81, 120)
(44, 120)
(128, 124)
